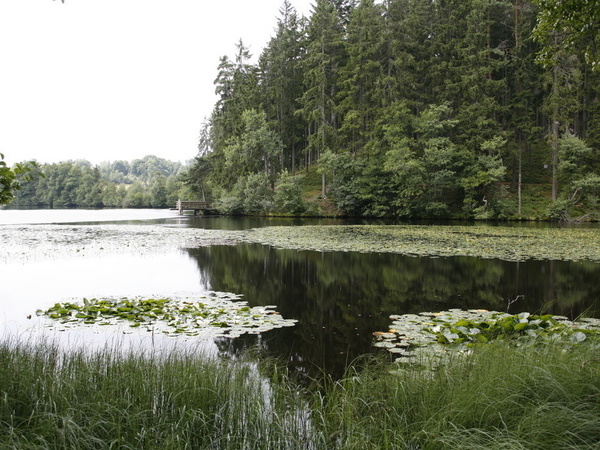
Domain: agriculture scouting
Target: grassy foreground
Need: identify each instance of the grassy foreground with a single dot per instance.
(534, 397)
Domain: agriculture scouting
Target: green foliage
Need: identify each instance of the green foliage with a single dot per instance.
(324, 56)
(281, 62)
(113, 398)
(575, 167)
(431, 108)
(497, 397)
(11, 179)
(147, 182)
(288, 195)
(219, 314)
(136, 196)
(343, 171)
(258, 194)
(255, 150)
(519, 326)
(251, 194)
(577, 22)
(362, 77)
(8, 183)
(231, 201)
(433, 339)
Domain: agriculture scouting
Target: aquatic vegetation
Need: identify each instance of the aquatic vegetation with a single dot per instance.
(411, 335)
(217, 314)
(482, 241)
(510, 243)
(500, 397)
(49, 241)
(113, 398)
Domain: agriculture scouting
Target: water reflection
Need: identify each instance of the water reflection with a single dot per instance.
(338, 298)
(341, 298)
(244, 223)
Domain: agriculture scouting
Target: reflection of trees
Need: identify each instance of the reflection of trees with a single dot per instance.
(341, 298)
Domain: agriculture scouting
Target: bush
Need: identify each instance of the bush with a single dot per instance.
(232, 202)
(559, 210)
(288, 195)
(257, 194)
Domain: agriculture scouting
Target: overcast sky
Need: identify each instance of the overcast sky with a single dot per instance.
(117, 79)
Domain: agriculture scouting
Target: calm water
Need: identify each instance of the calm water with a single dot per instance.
(339, 299)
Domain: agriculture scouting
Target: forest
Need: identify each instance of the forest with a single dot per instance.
(149, 182)
(486, 109)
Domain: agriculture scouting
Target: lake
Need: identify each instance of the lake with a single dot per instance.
(338, 298)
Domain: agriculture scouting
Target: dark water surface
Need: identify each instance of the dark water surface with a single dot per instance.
(338, 298)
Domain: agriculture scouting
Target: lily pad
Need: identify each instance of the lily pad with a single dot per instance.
(508, 243)
(417, 334)
(220, 313)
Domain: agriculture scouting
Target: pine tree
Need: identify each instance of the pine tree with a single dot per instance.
(362, 78)
(281, 79)
(323, 59)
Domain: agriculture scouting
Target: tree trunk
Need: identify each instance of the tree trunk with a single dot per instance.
(520, 179)
(555, 124)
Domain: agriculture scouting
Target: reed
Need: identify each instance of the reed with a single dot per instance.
(108, 399)
(499, 397)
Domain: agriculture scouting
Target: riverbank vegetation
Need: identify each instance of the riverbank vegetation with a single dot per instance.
(396, 109)
(457, 109)
(149, 182)
(530, 397)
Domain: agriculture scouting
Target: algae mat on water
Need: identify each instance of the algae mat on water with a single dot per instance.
(493, 242)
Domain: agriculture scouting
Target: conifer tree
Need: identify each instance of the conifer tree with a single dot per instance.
(323, 59)
(362, 78)
(281, 79)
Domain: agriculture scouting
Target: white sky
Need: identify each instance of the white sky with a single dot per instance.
(118, 79)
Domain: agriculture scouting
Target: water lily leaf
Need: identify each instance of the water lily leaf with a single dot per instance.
(482, 241)
(578, 336)
(450, 337)
(172, 316)
(520, 326)
(483, 327)
(384, 344)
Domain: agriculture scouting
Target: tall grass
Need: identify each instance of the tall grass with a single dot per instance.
(498, 398)
(107, 399)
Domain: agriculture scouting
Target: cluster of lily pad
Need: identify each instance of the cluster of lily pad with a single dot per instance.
(411, 335)
(218, 314)
(41, 242)
(509, 243)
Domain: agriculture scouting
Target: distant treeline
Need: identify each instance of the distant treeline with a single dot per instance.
(150, 182)
(412, 108)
